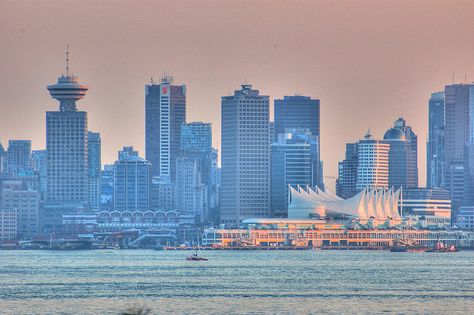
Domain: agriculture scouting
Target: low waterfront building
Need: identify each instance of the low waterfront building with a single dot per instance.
(20, 193)
(290, 237)
(430, 206)
(465, 218)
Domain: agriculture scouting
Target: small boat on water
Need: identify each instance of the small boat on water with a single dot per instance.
(407, 245)
(440, 247)
(195, 257)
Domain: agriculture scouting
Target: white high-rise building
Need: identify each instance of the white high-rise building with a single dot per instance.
(372, 168)
(245, 191)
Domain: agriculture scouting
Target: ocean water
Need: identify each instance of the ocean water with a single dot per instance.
(236, 282)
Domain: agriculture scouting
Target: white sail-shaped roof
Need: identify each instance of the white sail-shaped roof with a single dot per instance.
(368, 203)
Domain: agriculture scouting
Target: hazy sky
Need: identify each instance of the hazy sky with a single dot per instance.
(368, 61)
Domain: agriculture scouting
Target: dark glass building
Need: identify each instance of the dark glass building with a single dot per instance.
(347, 172)
(403, 156)
(301, 113)
(297, 111)
(459, 131)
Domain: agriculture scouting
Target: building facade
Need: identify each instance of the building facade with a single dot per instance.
(165, 112)
(245, 191)
(18, 156)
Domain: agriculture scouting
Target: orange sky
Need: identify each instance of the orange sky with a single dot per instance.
(368, 61)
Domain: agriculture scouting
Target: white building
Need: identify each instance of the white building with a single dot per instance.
(431, 207)
(373, 167)
(8, 224)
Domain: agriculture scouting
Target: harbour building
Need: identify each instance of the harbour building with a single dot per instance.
(165, 112)
(245, 191)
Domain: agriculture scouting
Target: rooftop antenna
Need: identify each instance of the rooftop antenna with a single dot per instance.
(151, 80)
(453, 77)
(67, 60)
(465, 77)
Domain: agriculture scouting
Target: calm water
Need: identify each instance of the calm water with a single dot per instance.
(284, 282)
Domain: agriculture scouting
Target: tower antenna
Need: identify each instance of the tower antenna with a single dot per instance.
(67, 60)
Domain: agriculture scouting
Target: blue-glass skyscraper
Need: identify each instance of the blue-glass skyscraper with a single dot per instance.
(301, 113)
(435, 145)
(290, 165)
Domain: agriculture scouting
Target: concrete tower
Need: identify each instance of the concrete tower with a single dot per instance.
(66, 143)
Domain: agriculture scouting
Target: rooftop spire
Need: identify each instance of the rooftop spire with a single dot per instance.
(67, 60)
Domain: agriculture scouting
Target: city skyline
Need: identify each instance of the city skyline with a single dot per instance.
(116, 74)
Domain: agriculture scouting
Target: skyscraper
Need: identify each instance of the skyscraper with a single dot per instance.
(290, 165)
(66, 144)
(94, 168)
(132, 180)
(18, 156)
(435, 145)
(459, 131)
(301, 113)
(403, 155)
(165, 111)
(373, 163)
(245, 191)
